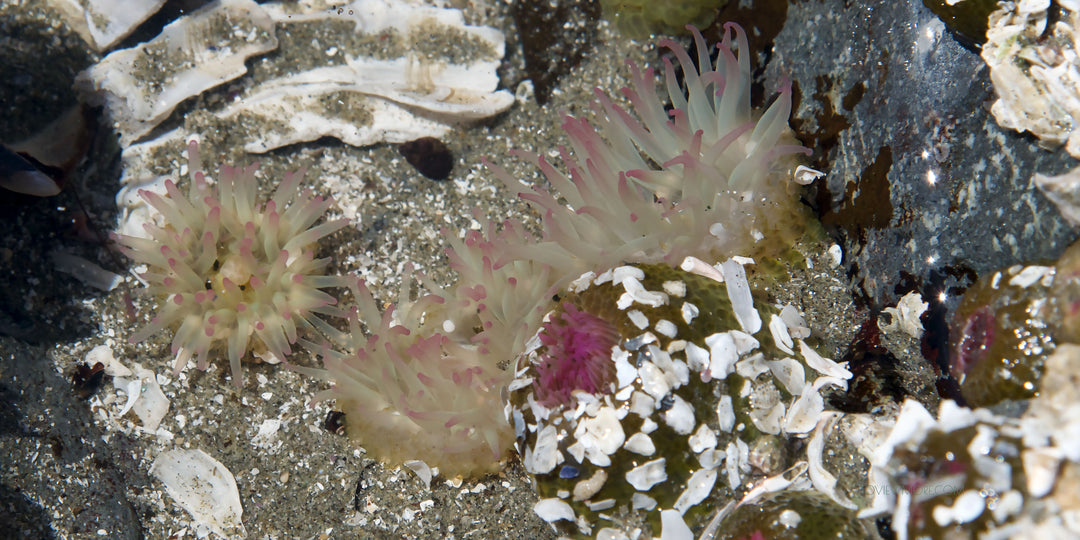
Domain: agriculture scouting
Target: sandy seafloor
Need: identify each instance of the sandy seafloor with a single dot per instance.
(69, 469)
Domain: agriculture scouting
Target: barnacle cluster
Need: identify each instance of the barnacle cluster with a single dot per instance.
(231, 272)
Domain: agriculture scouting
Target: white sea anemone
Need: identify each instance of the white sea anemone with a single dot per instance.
(229, 268)
(699, 178)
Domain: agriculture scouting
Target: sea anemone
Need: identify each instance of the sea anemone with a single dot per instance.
(427, 379)
(410, 390)
(703, 177)
(424, 379)
(229, 268)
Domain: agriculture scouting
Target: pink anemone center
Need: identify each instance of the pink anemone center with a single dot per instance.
(576, 356)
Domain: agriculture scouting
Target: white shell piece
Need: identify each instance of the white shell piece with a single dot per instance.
(744, 342)
(823, 365)
(702, 439)
(805, 176)
(609, 533)
(203, 487)
(552, 510)
(968, 506)
(697, 359)
(805, 412)
(698, 487)
(645, 476)
(790, 373)
(103, 23)
(641, 501)
(638, 318)
(711, 459)
(648, 425)
(790, 518)
(768, 419)
(680, 417)
(1031, 274)
(600, 505)
(796, 324)
(905, 316)
(267, 436)
(635, 292)
(823, 480)
(666, 328)
(104, 355)
(779, 330)
(642, 404)
(742, 303)
(601, 436)
(582, 282)
(191, 55)
(673, 526)
(731, 465)
(699, 267)
(653, 381)
(641, 443)
(752, 366)
(620, 273)
(145, 397)
(675, 288)
(689, 312)
(625, 373)
(725, 413)
(723, 354)
(545, 453)
(421, 470)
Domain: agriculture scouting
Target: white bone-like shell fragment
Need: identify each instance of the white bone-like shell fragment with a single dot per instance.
(824, 481)
(648, 474)
(641, 443)
(104, 355)
(968, 506)
(420, 469)
(552, 510)
(144, 397)
(698, 487)
(673, 526)
(203, 487)
(905, 316)
(823, 365)
(680, 417)
(102, 23)
(142, 85)
(781, 338)
(742, 303)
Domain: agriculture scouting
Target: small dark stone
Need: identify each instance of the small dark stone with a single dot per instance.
(666, 403)
(335, 422)
(87, 379)
(430, 156)
(568, 471)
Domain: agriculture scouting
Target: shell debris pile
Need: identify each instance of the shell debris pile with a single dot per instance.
(1036, 71)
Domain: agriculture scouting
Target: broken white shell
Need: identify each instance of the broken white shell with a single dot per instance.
(203, 487)
(102, 23)
(142, 85)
